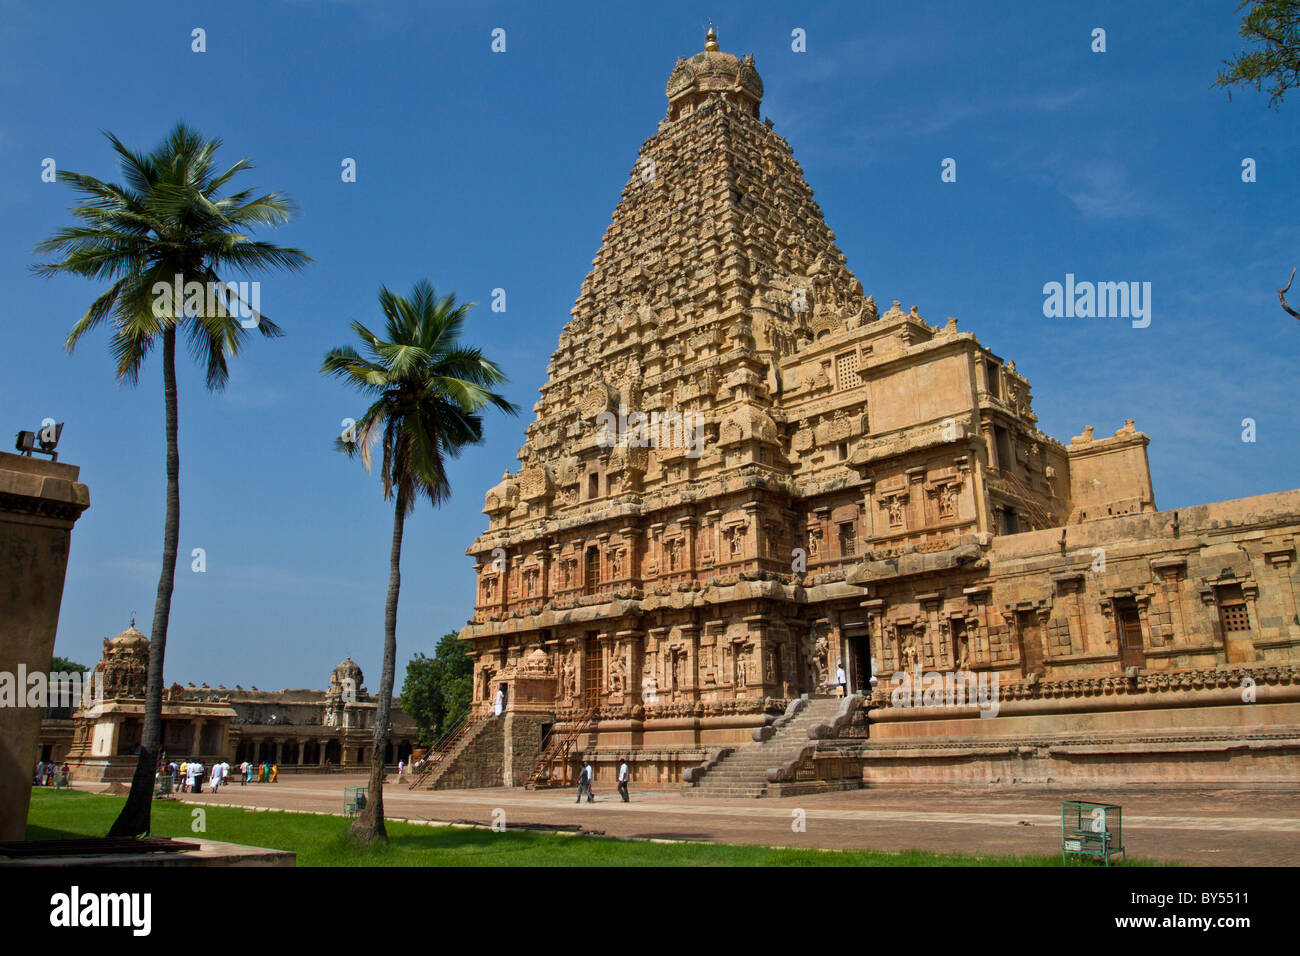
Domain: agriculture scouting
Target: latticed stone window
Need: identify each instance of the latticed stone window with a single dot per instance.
(846, 370)
(1232, 608)
(848, 539)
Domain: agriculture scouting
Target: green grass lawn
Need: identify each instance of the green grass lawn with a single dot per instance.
(322, 841)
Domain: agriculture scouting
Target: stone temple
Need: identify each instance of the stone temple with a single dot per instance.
(796, 480)
(297, 729)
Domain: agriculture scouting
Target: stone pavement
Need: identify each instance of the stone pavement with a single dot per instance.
(1203, 827)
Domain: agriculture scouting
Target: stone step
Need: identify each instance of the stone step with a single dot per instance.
(744, 772)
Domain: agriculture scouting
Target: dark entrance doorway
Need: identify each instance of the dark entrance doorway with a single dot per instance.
(859, 664)
(1128, 623)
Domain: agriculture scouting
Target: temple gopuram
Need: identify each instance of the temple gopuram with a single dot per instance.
(744, 475)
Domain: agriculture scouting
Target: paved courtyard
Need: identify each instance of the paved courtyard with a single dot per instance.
(1197, 827)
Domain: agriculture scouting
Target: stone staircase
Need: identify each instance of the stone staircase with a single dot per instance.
(743, 772)
(449, 759)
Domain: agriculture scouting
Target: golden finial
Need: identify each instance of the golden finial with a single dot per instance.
(711, 41)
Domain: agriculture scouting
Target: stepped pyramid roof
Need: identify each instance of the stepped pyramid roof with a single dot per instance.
(717, 263)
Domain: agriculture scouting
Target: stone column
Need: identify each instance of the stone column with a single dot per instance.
(654, 547)
(986, 429)
(869, 509)
(198, 736)
(40, 501)
(712, 544)
(753, 513)
(631, 538)
(688, 525)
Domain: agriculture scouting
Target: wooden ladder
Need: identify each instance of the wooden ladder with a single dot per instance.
(445, 748)
(560, 748)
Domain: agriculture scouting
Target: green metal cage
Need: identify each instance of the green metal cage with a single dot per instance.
(354, 800)
(1092, 830)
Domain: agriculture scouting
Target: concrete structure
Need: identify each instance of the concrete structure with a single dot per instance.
(841, 486)
(296, 729)
(40, 501)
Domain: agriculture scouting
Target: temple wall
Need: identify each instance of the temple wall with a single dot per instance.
(40, 501)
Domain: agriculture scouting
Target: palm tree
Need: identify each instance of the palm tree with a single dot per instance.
(428, 390)
(167, 226)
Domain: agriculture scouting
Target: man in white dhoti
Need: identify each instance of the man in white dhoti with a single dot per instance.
(189, 776)
(214, 781)
(500, 702)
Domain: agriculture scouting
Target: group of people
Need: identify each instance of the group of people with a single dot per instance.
(48, 772)
(187, 776)
(264, 772)
(588, 774)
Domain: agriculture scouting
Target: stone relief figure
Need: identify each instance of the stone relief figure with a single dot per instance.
(894, 506)
(567, 682)
(821, 653)
(911, 650)
(617, 673)
(963, 653)
(741, 669)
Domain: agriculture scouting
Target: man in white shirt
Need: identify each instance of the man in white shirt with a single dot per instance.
(243, 774)
(584, 783)
(841, 679)
(622, 779)
(499, 704)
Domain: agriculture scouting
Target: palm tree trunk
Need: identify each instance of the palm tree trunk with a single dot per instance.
(369, 825)
(135, 816)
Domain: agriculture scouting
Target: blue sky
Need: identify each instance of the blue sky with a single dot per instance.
(484, 170)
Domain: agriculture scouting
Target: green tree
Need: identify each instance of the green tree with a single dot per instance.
(61, 665)
(166, 224)
(436, 691)
(428, 391)
(1272, 53)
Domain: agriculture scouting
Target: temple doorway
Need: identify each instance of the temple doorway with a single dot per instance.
(859, 669)
(1128, 623)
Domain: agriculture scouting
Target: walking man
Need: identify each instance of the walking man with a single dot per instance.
(622, 779)
(841, 679)
(584, 783)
